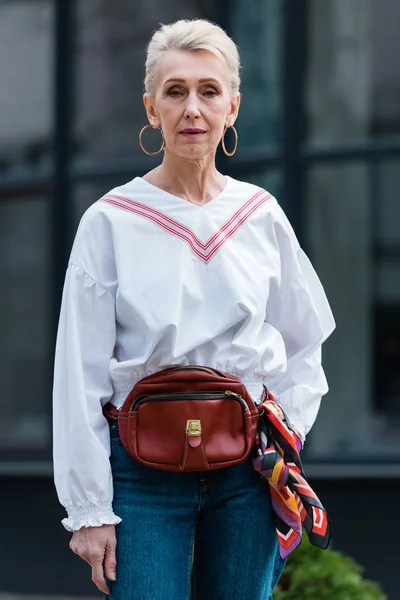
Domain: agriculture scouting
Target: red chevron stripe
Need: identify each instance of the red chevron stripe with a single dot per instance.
(320, 521)
(241, 209)
(186, 234)
(286, 542)
(155, 212)
(185, 238)
(240, 223)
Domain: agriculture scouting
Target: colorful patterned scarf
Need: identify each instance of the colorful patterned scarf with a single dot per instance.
(293, 501)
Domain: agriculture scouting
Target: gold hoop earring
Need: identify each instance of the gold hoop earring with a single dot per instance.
(141, 141)
(236, 141)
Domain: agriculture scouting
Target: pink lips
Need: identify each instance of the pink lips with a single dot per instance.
(192, 132)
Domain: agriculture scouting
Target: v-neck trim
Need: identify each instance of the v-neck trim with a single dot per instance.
(206, 248)
(214, 200)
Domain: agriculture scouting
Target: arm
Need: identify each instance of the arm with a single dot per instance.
(301, 313)
(85, 345)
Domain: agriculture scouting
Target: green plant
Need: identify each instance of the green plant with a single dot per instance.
(314, 574)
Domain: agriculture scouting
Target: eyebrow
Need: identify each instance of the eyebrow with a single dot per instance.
(203, 80)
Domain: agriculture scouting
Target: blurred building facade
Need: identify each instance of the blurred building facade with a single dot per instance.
(319, 127)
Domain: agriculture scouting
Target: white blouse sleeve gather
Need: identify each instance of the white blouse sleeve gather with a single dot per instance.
(301, 313)
(85, 345)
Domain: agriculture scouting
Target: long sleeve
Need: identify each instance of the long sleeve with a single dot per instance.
(301, 313)
(85, 345)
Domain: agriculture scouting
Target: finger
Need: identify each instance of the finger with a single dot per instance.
(110, 561)
(98, 578)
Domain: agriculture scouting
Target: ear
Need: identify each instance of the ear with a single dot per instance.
(233, 110)
(151, 110)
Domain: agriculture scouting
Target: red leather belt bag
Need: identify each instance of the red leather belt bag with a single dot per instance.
(189, 418)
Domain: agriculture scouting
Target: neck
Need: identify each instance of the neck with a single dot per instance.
(195, 180)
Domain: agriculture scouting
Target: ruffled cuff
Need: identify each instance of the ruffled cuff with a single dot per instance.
(90, 515)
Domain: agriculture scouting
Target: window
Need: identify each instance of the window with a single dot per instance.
(26, 54)
(351, 207)
(339, 240)
(386, 295)
(110, 55)
(25, 100)
(25, 325)
(255, 27)
(353, 80)
(348, 203)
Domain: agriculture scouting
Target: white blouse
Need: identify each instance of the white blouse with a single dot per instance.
(154, 280)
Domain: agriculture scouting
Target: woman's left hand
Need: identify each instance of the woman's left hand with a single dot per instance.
(96, 545)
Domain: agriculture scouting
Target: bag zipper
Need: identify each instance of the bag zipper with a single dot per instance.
(191, 396)
(188, 368)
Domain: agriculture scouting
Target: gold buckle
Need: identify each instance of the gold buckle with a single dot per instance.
(193, 427)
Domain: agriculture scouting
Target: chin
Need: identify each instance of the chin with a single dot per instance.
(196, 153)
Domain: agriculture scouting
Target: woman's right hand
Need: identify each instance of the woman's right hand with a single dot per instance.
(96, 545)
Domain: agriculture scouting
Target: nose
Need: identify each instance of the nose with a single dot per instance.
(192, 108)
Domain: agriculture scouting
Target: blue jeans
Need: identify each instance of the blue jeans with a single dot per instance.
(202, 536)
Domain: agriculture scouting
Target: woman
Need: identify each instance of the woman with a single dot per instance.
(182, 266)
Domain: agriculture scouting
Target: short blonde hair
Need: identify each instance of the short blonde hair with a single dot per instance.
(194, 34)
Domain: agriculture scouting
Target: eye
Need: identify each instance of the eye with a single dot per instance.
(174, 93)
(210, 93)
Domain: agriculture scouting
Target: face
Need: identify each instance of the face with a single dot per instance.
(192, 102)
